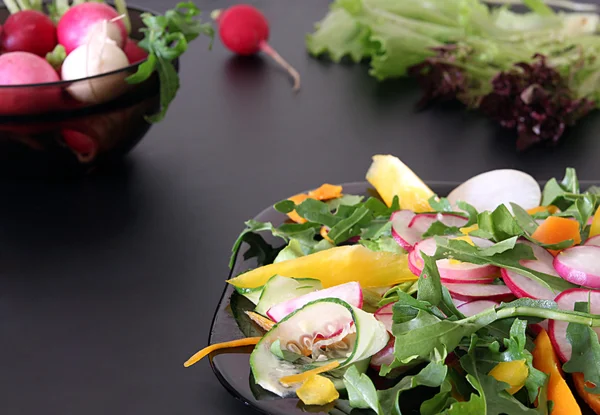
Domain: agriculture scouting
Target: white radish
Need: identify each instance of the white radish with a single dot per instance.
(489, 190)
(450, 270)
(349, 292)
(593, 241)
(401, 232)
(476, 307)
(91, 59)
(386, 316)
(580, 265)
(472, 292)
(385, 356)
(557, 330)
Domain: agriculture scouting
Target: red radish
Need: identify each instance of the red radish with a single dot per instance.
(133, 52)
(476, 307)
(23, 68)
(85, 20)
(245, 30)
(472, 292)
(349, 292)
(84, 146)
(385, 356)
(580, 265)
(593, 241)
(29, 31)
(385, 314)
(557, 330)
(458, 303)
(452, 271)
(401, 232)
(536, 328)
(526, 287)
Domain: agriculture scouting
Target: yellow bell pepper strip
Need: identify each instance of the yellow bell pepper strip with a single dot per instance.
(248, 341)
(325, 192)
(542, 209)
(514, 373)
(595, 229)
(304, 376)
(555, 230)
(317, 390)
(467, 230)
(336, 266)
(324, 231)
(262, 322)
(591, 399)
(545, 359)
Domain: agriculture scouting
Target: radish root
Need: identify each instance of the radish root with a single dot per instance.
(267, 49)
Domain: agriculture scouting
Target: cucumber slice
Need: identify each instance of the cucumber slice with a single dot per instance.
(279, 289)
(328, 329)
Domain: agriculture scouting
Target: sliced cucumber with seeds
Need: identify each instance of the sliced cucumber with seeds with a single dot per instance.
(279, 289)
(322, 331)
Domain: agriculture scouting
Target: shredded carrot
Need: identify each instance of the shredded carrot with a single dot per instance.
(301, 377)
(324, 232)
(263, 322)
(249, 341)
(555, 230)
(297, 199)
(326, 192)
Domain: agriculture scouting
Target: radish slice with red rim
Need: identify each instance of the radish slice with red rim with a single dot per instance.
(472, 292)
(458, 303)
(386, 316)
(385, 356)
(593, 241)
(557, 330)
(453, 271)
(422, 222)
(476, 307)
(580, 265)
(401, 232)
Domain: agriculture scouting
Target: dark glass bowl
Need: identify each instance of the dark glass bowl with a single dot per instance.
(45, 132)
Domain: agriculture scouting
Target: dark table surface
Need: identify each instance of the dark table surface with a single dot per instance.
(107, 284)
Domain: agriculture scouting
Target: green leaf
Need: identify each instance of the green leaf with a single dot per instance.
(316, 211)
(500, 224)
(472, 213)
(239, 305)
(351, 226)
(499, 247)
(524, 219)
(585, 351)
(293, 250)
(539, 7)
(441, 401)
(345, 200)
(438, 228)
(382, 244)
(440, 204)
(285, 206)
(570, 183)
(361, 391)
(377, 228)
(432, 375)
(431, 289)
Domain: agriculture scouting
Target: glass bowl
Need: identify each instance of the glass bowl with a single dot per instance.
(44, 131)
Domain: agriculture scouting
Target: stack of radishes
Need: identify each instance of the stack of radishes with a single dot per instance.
(475, 288)
(95, 41)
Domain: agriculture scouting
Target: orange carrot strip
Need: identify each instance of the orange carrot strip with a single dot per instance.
(301, 377)
(297, 199)
(555, 230)
(263, 322)
(324, 231)
(249, 341)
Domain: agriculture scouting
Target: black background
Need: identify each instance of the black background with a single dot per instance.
(108, 283)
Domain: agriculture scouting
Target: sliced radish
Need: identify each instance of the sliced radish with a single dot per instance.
(458, 303)
(385, 314)
(349, 292)
(453, 271)
(580, 265)
(401, 231)
(423, 221)
(385, 356)
(476, 307)
(593, 241)
(472, 292)
(557, 330)
(489, 190)
(526, 287)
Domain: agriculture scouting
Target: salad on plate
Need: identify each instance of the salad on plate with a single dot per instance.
(486, 301)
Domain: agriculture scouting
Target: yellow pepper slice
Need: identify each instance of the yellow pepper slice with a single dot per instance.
(467, 230)
(304, 376)
(336, 266)
(514, 373)
(317, 390)
(595, 229)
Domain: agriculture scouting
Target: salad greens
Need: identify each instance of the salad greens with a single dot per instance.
(533, 72)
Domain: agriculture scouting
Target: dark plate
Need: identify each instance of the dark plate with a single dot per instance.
(233, 369)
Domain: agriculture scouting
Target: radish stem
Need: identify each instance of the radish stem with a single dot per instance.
(267, 49)
(121, 6)
(564, 4)
(24, 4)
(12, 6)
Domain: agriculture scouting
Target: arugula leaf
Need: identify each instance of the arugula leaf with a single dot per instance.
(539, 7)
(431, 289)
(585, 351)
(524, 219)
(345, 200)
(570, 183)
(499, 247)
(442, 400)
(285, 206)
(380, 209)
(293, 250)
(500, 224)
(432, 375)
(361, 391)
(440, 204)
(351, 226)
(166, 38)
(316, 211)
(594, 190)
(472, 213)
(510, 259)
(377, 228)
(491, 397)
(438, 228)
(384, 244)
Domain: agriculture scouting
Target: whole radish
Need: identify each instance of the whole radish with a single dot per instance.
(24, 68)
(134, 53)
(85, 20)
(29, 31)
(245, 30)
